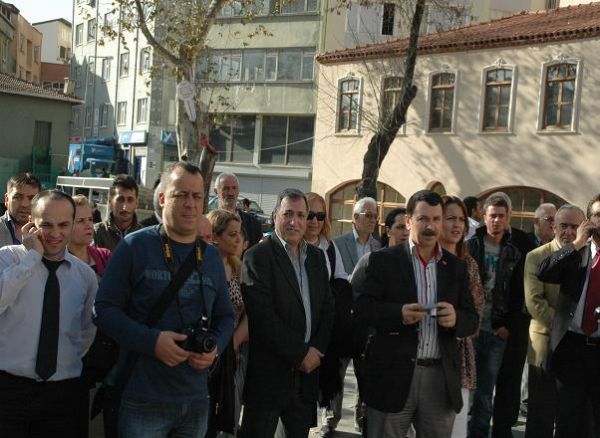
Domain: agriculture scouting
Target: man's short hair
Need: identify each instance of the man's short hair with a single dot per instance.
(569, 207)
(291, 194)
(21, 179)
(359, 205)
(497, 199)
(246, 202)
(123, 181)
(471, 204)
(51, 195)
(224, 175)
(589, 206)
(540, 210)
(432, 198)
(166, 177)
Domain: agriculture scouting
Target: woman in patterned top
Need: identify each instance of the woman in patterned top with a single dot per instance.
(454, 230)
(227, 380)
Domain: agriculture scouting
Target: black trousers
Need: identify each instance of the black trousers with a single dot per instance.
(542, 403)
(297, 416)
(508, 384)
(576, 363)
(30, 409)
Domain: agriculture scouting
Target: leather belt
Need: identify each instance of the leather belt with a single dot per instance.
(428, 362)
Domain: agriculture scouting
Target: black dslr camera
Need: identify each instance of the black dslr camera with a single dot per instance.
(199, 338)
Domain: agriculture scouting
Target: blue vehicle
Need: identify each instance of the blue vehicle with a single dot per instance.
(90, 158)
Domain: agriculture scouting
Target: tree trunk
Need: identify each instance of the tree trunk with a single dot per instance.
(189, 135)
(382, 140)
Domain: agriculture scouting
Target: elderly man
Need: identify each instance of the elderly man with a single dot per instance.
(285, 284)
(227, 189)
(540, 299)
(20, 190)
(543, 232)
(574, 350)
(416, 298)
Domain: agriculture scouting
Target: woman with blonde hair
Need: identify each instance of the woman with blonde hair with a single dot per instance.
(227, 380)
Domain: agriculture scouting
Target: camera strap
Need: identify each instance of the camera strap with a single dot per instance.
(195, 258)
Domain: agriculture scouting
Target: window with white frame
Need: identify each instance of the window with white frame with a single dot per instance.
(91, 73)
(259, 65)
(287, 140)
(121, 113)
(106, 69)
(497, 98)
(142, 110)
(239, 8)
(392, 90)
(124, 65)
(559, 95)
(88, 117)
(79, 34)
(293, 6)
(387, 19)
(109, 19)
(441, 106)
(348, 104)
(233, 138)
(91, 34)
(145, 60)
(104, 112)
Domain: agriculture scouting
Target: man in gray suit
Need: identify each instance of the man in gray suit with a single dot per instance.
(20, 190)
(352, 246)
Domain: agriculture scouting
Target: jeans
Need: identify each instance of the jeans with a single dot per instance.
(489, 350)
(150, 419)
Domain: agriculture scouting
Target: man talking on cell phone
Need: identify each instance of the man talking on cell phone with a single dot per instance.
(46, 297)
(416, 298)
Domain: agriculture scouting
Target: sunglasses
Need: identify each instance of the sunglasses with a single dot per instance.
(320, 216)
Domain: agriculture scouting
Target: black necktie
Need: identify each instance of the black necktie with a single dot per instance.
(45, 365)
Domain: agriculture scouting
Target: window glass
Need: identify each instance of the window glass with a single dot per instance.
(274, 137)
(243, 139)
(271, 66)
(254, 65)
(559, 96)
(308, 61)
(442, 102)
(288, 68)
(300, 141)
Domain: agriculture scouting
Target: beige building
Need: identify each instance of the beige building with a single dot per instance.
(28, 47)
(505, 105)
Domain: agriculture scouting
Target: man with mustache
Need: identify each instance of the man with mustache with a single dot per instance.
(122, 220)
(20, 191)
(415, 297)
(500, 269)
(227, 189)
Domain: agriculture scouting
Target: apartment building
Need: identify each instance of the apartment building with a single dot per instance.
(56, 52)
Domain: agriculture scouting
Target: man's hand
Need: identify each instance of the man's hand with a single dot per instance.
(584, 232)
(32, 237)
(413, 313)
(202, 361)
(446, 315)
(502, 332)
(167, 351)
(311, 361)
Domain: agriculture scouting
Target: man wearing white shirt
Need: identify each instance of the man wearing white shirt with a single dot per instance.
(475, 213)
(46, 298)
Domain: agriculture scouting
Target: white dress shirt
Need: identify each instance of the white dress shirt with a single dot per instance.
(22, 283)
(577, 320)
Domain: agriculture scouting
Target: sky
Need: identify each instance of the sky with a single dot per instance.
(42, 10)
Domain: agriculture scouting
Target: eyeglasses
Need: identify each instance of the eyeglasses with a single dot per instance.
(320, 216)
(549, 219)
(369, 215)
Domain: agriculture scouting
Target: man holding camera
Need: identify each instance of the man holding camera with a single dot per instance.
(165, 391)
(416, 298)
(574, 352)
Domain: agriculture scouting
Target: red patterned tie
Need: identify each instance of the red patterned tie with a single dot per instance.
(589, 324)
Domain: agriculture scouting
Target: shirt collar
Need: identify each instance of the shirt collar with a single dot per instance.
(288, 247)
(356, 236)
(437, 255)
(593, 248)
(68, 257)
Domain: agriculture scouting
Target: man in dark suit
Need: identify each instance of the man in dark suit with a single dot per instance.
(227, 189)
(574, 351)
(285, 286)
(416, 298)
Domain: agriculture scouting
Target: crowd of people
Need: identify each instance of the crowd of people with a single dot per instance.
(193, 325)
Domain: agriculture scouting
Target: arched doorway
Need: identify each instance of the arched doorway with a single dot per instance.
(524, 202)
(341, 201)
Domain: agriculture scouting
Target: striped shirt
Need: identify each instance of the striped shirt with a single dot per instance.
(426, 278)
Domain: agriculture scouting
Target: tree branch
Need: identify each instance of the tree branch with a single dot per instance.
(164, 52)
(211, 14)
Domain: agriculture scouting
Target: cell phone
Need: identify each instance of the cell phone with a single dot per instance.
(431, 309)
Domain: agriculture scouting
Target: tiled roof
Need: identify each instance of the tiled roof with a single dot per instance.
(525, 28)
(11, 85)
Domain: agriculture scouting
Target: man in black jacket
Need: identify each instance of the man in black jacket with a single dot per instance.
(416, 299)
(500, 269)
(227, 189)
(574, 351)
(285, 286)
